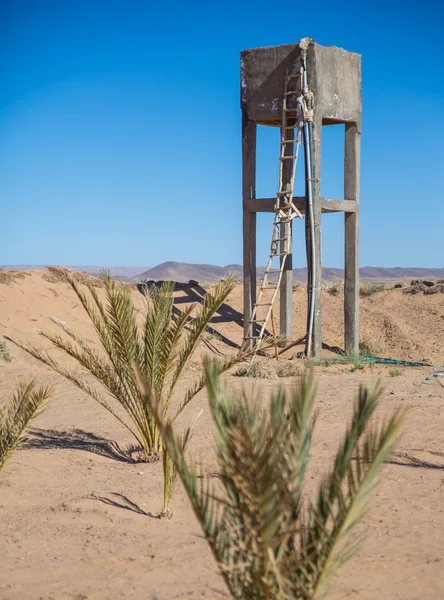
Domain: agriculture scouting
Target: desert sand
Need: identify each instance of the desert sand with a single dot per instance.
(77, 517)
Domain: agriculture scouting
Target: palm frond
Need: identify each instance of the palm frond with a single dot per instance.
(25, 404)
(343, 497)
(121, 323)
(160, 348)
(265, 543)
(162, 334)
(77, 379)
(211, 304)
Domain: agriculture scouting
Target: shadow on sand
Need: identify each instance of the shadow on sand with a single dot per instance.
(194, 292)
(404, 459)
(78, 439)
(124, 503)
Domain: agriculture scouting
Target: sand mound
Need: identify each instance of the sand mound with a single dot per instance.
(393, 324)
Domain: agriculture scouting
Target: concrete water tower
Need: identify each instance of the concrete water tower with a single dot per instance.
(333, 82)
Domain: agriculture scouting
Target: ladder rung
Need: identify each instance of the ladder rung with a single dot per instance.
(256, 320)
(281, 239)
(292, 92)
(251, 337)
(295, 76)
(262, 304)
(288, 157)
(274, 271)
(284, 193)
(289, 127)
(280, 254)
(288, 141)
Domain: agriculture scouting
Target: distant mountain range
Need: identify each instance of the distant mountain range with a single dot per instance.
(183, 272)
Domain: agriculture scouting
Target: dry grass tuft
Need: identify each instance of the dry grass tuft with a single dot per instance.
(268, 370)
(372, 288)
(369, 348)
(337, 288)
(8, 277)
(54, 275)
(395, 372)
(4, 351)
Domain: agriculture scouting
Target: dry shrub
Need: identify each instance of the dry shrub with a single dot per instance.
(372, 288)
(268, 370)
(337, 288)
(369, 348)
(54, 275)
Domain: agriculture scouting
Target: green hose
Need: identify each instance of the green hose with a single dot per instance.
(377, 360)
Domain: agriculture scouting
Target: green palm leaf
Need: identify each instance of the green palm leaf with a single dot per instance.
(159, 347)
(25, 404)
(265, 543)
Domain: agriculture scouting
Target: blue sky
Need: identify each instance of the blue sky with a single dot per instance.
(120, 130)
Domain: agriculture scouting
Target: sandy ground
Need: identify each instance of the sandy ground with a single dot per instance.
(76, 517)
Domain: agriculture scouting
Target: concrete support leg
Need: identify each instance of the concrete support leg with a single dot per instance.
(351, 280)
(249, 219)
(317, 282)
(286, 289)
(317, 285)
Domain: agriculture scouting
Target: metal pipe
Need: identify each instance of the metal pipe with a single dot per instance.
(308, 147)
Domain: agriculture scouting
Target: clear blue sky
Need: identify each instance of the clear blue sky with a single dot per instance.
(120, 129)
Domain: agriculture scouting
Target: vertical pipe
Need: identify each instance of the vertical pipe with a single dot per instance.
(311, 255)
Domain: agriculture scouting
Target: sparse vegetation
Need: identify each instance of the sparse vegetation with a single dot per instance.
(356, 361)
(268, 540)
(19, 410)
(214, 335)
(395, 372)
(8, 276)
(337, 288)
(369, 348)
(160, 349)
(371, 288)
(268, 370)
(4, 351)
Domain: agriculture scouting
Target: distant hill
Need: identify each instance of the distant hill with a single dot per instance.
(183, 272)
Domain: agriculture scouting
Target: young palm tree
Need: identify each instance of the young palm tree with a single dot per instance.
(269, 544)
(20, 409)
(160, 348)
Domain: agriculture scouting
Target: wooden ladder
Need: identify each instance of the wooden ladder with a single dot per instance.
(285, 212)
